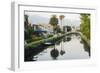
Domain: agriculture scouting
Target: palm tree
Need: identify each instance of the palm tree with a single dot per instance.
(53, 21)
(61, 17)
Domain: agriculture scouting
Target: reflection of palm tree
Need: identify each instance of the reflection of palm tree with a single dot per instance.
(62, 52)
(62, 49)
(54, 53)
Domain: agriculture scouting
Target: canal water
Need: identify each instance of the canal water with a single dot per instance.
(69, 47)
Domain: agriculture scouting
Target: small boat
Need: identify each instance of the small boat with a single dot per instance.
(48, 43)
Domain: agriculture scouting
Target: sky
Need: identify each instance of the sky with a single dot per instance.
(44, 17)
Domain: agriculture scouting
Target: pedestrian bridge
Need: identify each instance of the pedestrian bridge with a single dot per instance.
(56, 37)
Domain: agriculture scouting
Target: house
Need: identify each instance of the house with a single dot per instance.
(67, 28)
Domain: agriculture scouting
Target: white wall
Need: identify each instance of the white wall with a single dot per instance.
(5, 34)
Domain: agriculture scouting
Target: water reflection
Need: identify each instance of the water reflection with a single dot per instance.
(54, 53)
(62, 52)
(67, 38)
(86, 47)
(69, 47)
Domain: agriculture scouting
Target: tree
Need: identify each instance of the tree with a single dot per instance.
(53, 21)
(85, 24)
(26, 21)
(27, 28)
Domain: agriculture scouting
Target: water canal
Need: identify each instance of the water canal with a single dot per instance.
(69, 47)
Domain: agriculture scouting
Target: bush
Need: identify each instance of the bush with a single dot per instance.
(50, 35)
(85, 25)
(35, 38)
